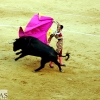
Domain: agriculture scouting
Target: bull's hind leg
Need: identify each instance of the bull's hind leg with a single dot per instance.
(43, 62)
(59, 66)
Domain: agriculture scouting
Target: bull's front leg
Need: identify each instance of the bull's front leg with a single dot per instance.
(18, 53)
(21, 56)
(41, 66)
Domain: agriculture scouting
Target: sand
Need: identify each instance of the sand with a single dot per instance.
(81, 77)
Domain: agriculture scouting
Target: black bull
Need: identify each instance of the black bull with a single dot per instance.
(32, 46)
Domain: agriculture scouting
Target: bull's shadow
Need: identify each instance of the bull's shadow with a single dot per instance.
(33, 46)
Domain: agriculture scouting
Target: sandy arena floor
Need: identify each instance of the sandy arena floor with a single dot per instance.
(81, 77)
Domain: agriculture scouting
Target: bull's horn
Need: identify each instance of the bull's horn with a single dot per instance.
(12, 41)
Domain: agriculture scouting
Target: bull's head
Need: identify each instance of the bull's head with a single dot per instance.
(16, 45)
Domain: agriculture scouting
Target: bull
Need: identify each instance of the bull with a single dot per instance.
(33, 46)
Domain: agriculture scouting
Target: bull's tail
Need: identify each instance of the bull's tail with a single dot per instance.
(67, 55)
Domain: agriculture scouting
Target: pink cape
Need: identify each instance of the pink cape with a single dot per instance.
(37, 27)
